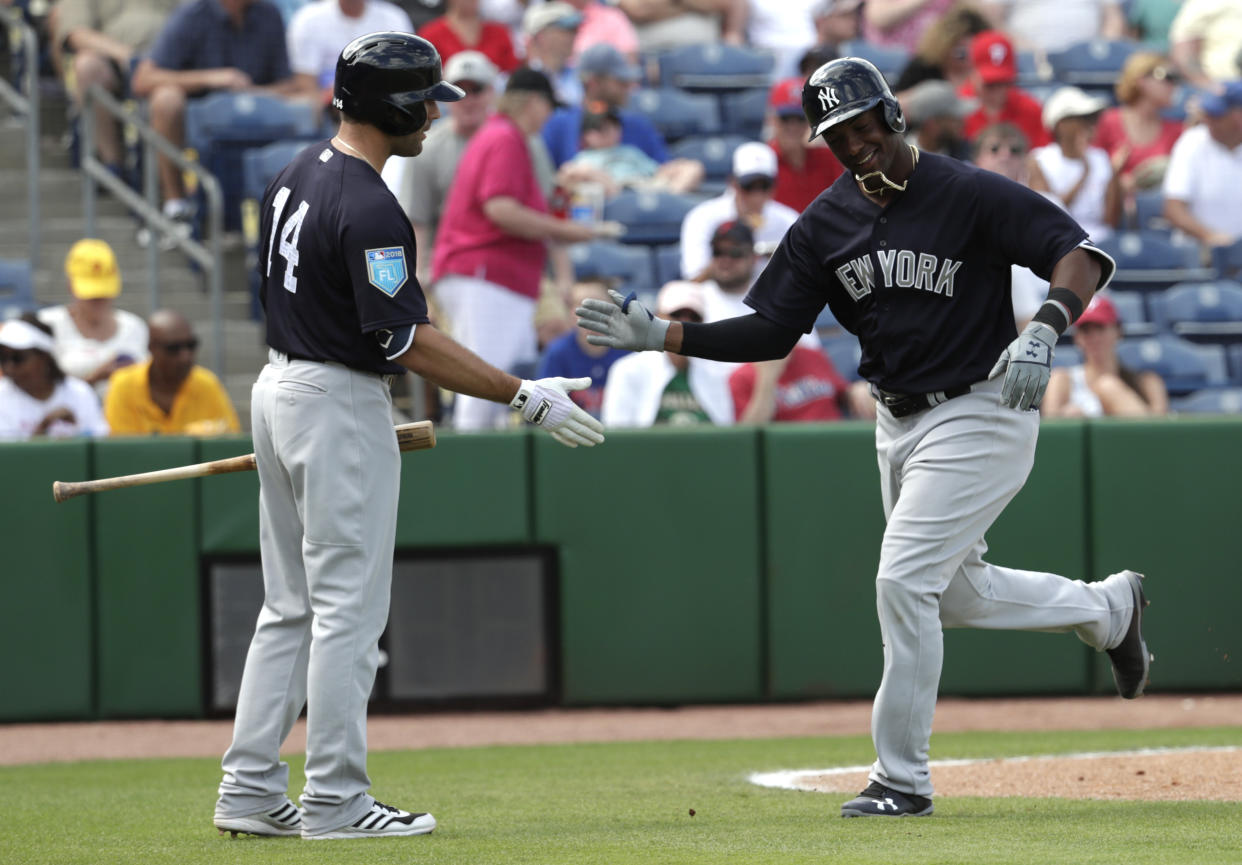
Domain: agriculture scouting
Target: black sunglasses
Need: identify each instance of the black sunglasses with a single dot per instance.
(470, 87)
(758, 185)
(15, 358)
(1015, 149)
(178, 347)
(729, 252)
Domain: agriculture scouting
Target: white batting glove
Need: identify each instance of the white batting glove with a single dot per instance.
(1027, 365)
(622, 323)
(546, 403)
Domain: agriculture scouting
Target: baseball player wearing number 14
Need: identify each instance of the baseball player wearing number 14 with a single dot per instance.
(344, 313)
(913, 254)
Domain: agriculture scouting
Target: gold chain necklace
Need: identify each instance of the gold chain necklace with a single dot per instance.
(343, 143)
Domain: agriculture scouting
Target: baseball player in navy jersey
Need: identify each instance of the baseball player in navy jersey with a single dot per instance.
(912, 253)
(344, 313)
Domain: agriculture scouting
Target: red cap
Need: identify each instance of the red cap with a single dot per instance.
(991, 52)
(1101, 310)
(785, 97)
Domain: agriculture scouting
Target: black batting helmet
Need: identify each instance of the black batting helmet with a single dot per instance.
(384, 78)
(845, 88)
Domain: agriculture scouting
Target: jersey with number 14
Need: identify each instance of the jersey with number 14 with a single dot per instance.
(336, 259)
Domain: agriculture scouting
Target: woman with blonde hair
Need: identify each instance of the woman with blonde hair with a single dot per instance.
(943, 50)
(1135, 134)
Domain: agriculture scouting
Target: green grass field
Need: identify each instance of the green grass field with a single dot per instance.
(622, 804)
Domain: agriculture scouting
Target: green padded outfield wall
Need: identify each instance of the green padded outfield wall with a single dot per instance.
(46, 616)
(1165, 502)
(661, 594)
(228, 505)
(149, 650)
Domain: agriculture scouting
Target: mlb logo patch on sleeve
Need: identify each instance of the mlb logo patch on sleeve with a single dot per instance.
(386, 269)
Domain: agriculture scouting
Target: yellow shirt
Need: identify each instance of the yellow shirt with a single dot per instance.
(201, 407)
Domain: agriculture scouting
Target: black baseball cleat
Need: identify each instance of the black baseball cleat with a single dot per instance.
(880, 801)
(1131, 659)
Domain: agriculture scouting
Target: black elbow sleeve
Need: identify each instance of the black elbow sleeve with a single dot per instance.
(738, 340)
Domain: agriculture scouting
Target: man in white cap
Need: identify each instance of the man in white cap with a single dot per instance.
(550, 30)
(319, 30)
(749, 200)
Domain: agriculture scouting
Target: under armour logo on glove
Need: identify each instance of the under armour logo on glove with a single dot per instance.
(1037, 351)
(1027, 365)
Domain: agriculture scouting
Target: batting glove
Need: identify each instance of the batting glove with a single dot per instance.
(622, 323)
(546, 403)
(1027, 364)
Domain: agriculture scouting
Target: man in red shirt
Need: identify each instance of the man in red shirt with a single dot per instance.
(461, 28)
(992, 83)
(804, 386)
(803, 171)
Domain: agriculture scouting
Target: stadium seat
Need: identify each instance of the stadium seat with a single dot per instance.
(716, 154)
(1066, 355)
(259, 166)
(743, 112)
(1184, 366)
(667, 262)
(845, 352)
(16, 289)
(629, 266)
(1031, 71)
(1149, 261)
(889, 59)
(1093, 65)
(1227, 260)
(1234, 352)
(714, 66)
(1213, 400)
(677, 114)
(1149, 210)
(1133, 312)
(1201, 312)
(650, 216)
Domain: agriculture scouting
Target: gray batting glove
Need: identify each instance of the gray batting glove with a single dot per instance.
(1027, 365)
(622, 323)
(546, 403)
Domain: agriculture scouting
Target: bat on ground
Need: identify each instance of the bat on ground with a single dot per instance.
(410, 437)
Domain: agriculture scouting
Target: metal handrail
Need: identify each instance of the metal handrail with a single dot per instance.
(147, 208)
(28, 105)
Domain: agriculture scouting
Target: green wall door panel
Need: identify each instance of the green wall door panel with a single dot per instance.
(228, 504)
(45, 619)
(148, 571)
(660, 564)
(1165, 502)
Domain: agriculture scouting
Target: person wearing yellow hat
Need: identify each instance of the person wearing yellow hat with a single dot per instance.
(92, 338)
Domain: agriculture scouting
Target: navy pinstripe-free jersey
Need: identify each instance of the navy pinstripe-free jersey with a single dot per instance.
(336, 259)
(925, 282)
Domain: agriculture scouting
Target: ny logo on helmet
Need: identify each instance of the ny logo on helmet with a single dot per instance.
(828, 98)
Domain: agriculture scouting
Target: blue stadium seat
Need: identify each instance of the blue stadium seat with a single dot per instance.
(1093, 65)
(650, 216)
(1234, 353)
(889, 59)
(629, 266)
(260, 165)
(1227, 260)
(677, 114)
(1201, 311)
(715, 66)
(1149, 261)
(16, 289)
(667, 261)
(1030, 71)
(744, 111)
(845, 352)
(1149, 210)
(827, 326)
(1066, 355)
(1133, 312)
(716, 154)
(1184, 366)
(1212, 400)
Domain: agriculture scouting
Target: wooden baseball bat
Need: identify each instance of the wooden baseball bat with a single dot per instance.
(416, 436)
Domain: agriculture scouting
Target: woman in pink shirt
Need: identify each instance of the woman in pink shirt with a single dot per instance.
(1138, 139)
(604, 23)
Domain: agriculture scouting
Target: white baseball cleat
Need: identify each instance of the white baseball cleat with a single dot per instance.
(382, 821)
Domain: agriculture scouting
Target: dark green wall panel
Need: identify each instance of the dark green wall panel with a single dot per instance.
(660, 564)
(228, 504)
(45, 618)
(149, 603)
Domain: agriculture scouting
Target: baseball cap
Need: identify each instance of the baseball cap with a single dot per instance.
(936, 98)
(20, 335)
(1071, 102)
(604, 59)
(531, 81)
(785, 97)
(991, 53)
(92, 270)
(680, 294)
(734, 231)
(470, 66)
(753, 160)
(554, 14)
(1101, 310)
(1216, 104)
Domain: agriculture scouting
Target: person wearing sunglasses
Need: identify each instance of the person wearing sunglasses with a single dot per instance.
(36, 397)
(1135, 134)
(170, 394)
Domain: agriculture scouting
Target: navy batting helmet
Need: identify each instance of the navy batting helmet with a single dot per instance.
(845, 88)
(384, 78)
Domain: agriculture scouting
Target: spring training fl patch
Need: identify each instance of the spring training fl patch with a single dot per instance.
(386, 269)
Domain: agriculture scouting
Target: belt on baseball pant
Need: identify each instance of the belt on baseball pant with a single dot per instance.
(285, 357)
(906, 404)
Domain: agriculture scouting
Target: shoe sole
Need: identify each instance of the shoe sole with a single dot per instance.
(350, 833)
(254, 826)
(857, 813)
(1140, 603)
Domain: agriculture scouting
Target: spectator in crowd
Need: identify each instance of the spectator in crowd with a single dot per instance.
(666, 24)
(783, 28)
(1045, 26)
(1202, 183)
(425, 11)
(571, 356)
(100, 41)
(1206, 40)
(836, 21)
(426, 181)
(604, 22)
(36, 397)
(655, 388)
(900, 23)
(550, 30)
(170, 394)
(491, 247)
(319, 30)
(1101, 385)
(205, 46)
(748, 199)
(1149, 22)
(994, 71)
(613, 165)
(803, 170)
(802, 386)
(935, 117)
(91, 337)
(1135, 134)
(606, 77)
(943, 51)
(461, 28)
(1072, 171)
